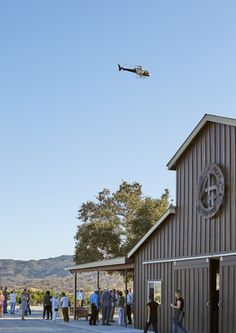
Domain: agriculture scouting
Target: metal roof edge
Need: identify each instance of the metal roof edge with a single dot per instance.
(171, 165)
(170, 210)
(100, 263)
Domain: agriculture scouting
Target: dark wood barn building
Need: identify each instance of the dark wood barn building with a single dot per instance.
(193, 245)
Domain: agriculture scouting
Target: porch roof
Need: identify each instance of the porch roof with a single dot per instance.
(113, 264)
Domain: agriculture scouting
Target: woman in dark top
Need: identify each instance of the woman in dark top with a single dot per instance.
(47, 305)
(152, 307)
(178, 313)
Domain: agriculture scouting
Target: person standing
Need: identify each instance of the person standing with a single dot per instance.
(29, 300)
(82, 297)
(129, 301)
(100, 292)
(64, 307)
(178, 313)
(113, 305)
(1, 303)
(12, 302)
(106, 307)
(5, 294)
(94, 301)
(152, 308)
(121, 309)
(47, 305)
(24, 304)
(55, 306)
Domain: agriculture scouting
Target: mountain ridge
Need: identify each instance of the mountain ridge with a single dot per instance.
(38, 274)
(50, 274)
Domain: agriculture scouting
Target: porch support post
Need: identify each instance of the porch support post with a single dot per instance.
(134, 300)
(126, 297)
(97, 279)
(75, 295)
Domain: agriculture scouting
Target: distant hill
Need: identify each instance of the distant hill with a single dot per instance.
(39, 274)
(50, 274)
(43, 268)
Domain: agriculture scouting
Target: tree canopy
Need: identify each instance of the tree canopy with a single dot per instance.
(111, 225)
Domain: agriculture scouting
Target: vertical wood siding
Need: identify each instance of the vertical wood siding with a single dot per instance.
(161, 272)
(227, 309)
(216, 143)
(192, 279)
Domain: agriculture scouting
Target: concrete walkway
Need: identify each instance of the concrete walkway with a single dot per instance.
(35, 324)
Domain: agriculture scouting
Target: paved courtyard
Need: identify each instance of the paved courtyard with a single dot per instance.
(35, 324)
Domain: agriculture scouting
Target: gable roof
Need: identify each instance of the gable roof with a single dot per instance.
(170, 210)
(207, 118)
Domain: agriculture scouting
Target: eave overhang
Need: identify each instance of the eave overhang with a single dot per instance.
(169, 211)
(114, 264)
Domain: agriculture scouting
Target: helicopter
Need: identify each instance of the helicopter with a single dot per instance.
(137, 70)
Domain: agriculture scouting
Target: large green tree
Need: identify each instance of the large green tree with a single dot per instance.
(115, 222)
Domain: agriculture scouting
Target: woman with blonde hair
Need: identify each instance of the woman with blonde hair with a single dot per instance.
(1, 303)
(178, 313)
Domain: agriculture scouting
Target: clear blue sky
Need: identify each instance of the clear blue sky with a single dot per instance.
(71, 124)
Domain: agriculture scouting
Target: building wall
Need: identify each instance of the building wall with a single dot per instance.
(216, 143)
(186, 233)
(227, 322)
(145, 273)
(159, 245)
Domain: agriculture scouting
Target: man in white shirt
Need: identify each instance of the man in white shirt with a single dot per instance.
(12, 302)
(55, 306)
(129, 300)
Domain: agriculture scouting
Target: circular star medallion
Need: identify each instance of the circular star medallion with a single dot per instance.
(210, 192)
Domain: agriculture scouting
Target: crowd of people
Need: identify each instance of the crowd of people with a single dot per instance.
(51, 304)
(24, 302)
(107, 302)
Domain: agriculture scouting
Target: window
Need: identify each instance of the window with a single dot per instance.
(154, 288)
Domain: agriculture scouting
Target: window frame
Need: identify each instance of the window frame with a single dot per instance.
(148, 288)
